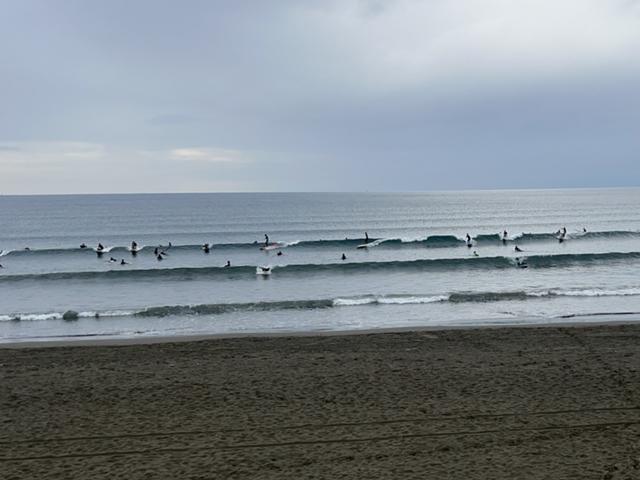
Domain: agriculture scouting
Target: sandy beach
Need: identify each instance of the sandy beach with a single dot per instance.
(534, 403)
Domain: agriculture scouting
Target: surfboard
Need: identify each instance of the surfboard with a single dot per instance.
(273, 246)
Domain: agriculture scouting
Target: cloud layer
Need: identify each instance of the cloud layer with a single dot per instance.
(321, 95)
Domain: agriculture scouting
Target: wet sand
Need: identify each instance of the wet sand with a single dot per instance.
(534, 403)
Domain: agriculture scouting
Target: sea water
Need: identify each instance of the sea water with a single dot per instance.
(416, 269)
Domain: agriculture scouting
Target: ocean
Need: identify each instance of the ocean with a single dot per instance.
(415, 270)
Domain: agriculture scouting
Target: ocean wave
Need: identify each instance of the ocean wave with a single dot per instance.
(366, 300)
(432, 241)
(436, 264)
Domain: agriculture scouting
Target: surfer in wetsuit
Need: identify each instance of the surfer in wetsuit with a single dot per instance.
(205, 247)
(228, 264)
(122, 262)
(504, 236)
(344, 257)
(518, 249)
(475, 254)
(266, 240)
(279, 254)
(366, 237)
(112, 260)
(83, 245)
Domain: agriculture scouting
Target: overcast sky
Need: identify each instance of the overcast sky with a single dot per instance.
(179, 96)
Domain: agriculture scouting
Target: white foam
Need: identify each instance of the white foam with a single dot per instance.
(412, 300)
(34, 317)
(348, 302)
(594, 292)
(397, 300)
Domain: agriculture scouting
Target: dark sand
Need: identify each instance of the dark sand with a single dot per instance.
(512, 403)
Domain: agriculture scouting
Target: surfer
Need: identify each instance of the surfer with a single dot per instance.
(279, 254)
(584, 230)
(366, 237)
(83, 245)
(266, 240)
(134, 246)
(228, 264)
(112, 260)
(205, 247)
(468, 240)
(344, 257)
(518, 249)
(159, 257)
(521, 262)
(155, 251)
(265, 269)
(475, 254)
(504, 236)
(122, 262)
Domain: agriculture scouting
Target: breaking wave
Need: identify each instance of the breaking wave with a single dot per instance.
(222, 308)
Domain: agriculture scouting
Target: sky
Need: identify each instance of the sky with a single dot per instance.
(326, 95)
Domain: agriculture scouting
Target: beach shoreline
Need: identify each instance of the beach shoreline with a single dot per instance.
(547, 402)
(600, 320)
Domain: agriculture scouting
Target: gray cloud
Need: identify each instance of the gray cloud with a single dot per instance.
(322, 95)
